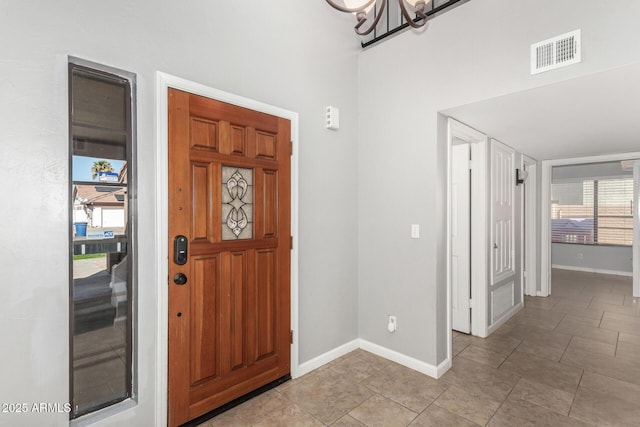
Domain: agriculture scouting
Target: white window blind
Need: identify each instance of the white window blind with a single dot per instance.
(593, 211)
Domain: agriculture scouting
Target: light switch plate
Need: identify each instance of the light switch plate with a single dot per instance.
(415, 231)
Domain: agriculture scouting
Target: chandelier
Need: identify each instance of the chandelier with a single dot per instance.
(362, 8)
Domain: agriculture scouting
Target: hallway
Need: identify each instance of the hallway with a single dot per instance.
(567, 360)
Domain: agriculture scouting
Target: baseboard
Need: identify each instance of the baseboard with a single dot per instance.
(592, 270)
(323, 359)
(394, 356)
(404, 360)
(508, 315)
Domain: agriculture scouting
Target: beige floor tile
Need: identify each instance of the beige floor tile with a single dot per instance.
(631, 301)
(483, 355)
(541, 321)
(545, 349)
(251, 411)
(588, 347)
(504, 344)
(459, 342)
(588, 313)
(382, 412)
(327, 395)
(611, 366)
(615, 389)
(543, 395)
(348, 421)
(630, 338)
(622, 309)
(474, 406)
(289, 416)
(544, 371)
(480, 378)
(585, 331)
(578, 319)
(520, 413)
(621, 323)
(407, 387)
(356, 367)
(609, 299)
(598, 407)
(435, 416)
(542, 303)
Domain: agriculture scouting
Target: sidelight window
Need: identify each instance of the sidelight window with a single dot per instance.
(102, 238)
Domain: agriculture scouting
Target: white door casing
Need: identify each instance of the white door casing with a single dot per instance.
(460, 238)
(529, 247)
(478, 147)
(502, 219)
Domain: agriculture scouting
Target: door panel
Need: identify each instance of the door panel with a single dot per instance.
(502, 211)
(229, 194)
(460, 238)
(503, 269)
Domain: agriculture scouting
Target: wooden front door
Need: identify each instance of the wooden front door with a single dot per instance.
(229, 196)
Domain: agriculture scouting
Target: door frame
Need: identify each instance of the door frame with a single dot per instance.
(478, 142)
(529, 227)
(165, 81)
(545, 211)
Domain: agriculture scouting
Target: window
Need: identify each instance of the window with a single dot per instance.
(102, 238)
(593, 211)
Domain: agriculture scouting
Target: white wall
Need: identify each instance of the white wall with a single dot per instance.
(597, 259)
(283, 53)
(477, 51)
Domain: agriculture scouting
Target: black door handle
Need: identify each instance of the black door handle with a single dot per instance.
(180, 279)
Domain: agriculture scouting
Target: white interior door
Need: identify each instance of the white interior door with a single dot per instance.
(502, 218)
(460, 238)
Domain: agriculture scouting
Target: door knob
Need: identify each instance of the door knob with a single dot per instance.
(180, 279)
(495, 246)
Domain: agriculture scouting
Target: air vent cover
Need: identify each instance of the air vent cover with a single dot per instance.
(556, 52)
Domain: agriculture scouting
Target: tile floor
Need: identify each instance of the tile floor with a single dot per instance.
(571, 359)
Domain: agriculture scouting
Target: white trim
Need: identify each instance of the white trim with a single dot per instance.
(478, 144)
(529, 235)
(378, 350)
(327, 357)
(545, 213)
(635, 262)
(163, 82)
(516, 308)
(592, 270)
(407, 361)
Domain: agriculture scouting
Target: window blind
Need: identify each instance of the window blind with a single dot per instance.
(593, 211)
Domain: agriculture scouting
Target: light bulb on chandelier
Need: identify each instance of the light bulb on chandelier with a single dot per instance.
(362, 8)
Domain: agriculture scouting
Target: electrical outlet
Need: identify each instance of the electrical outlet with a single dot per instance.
(392, 325)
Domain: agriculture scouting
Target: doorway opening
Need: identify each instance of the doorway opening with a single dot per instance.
(590, 217)
(466, 231)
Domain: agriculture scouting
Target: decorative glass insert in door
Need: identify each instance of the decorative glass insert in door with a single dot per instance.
(237, 203)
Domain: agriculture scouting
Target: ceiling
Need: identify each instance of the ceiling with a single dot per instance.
(587, 116)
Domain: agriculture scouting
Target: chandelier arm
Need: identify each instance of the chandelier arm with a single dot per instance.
(419, 11)
(350, 9)
(375, 21)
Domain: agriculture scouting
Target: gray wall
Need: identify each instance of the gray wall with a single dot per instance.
(604, 259)
(282, 53)
(477, 51)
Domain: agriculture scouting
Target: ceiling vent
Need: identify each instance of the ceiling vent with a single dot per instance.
(556, 52)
